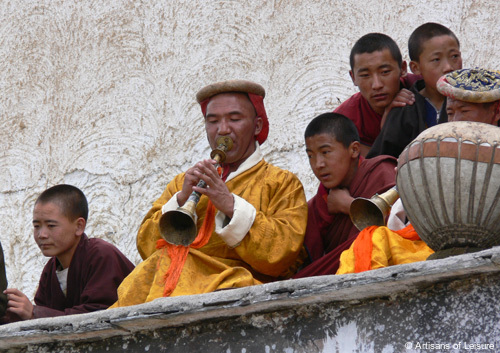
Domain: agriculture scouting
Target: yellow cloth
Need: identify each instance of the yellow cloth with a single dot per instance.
(389, 249)
(270, 250)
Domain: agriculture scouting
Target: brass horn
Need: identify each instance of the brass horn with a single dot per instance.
(372, 211)
(178, 226)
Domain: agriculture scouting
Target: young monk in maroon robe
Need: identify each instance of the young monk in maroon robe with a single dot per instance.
(333, 148)
(83, 273)
(379, 71)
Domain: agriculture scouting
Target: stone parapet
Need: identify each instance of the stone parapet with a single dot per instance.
(439, 305)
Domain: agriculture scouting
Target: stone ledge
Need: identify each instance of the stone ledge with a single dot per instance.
(181, 311)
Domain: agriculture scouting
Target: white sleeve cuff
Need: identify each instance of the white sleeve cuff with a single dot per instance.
(397, 216)
(243, 217)
(171, 204)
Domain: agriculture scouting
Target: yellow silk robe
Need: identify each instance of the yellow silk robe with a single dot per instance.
(269, 251)
(389, 249)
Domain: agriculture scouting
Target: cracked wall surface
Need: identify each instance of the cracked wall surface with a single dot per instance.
(101, 94)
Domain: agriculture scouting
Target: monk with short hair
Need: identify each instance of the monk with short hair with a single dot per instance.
(333, 148)
(380, 73)
(82, 274)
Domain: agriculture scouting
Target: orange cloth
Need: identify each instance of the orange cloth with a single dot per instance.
(377, 247)
(362, 248)
(178, 253)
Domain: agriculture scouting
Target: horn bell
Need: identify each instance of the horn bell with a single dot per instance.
(373, 211)
(178, 227)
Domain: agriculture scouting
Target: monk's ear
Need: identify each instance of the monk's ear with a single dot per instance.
(415, 67)
(404, 69)
(80, 226)
(259, 123)
(355, 149)
(352, 77)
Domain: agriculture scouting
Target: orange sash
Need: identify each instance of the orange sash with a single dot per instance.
(178, 253)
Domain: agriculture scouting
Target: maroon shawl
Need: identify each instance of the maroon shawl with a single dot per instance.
(327, 235)
(96, 270)
(367, 121)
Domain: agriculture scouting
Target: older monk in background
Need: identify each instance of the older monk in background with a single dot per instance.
(472, 95)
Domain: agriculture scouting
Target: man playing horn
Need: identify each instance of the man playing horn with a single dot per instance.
(251, 219)
(472, 95)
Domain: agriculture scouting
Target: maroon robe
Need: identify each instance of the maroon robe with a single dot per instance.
(96, 270)
(328, 235)
(367, 121)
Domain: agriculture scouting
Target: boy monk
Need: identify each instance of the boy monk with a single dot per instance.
(434, 51)
(82, 274)
(378, 70)
(333, 148)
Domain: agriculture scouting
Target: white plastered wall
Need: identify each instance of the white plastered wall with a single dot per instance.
(100, 94)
